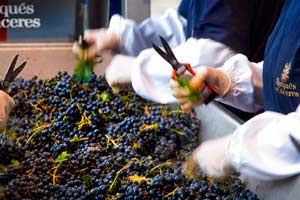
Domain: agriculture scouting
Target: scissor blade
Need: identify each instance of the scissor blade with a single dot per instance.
(170, 53)
(161, 53)
(16, 72)
(295, 142)
(7, 76)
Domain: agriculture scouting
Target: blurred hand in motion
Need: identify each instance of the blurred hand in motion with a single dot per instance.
(191, 167)
(206, 77)
(212, 157)
(6, 104)
(118, 73)
(98, 40)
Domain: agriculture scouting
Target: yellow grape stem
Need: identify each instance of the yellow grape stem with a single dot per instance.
(116, 177)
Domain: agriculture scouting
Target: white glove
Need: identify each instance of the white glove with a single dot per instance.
(212, 157)
(118, 73)
(6, 104)
(205, 76)
(99, 40)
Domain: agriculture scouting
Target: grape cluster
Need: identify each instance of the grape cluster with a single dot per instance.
(68, 139)
(9, 151)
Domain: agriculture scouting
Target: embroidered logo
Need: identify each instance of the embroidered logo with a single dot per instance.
(285, 72)
(283, 86)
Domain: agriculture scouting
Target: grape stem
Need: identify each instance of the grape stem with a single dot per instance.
(116, 177)
(171, 193)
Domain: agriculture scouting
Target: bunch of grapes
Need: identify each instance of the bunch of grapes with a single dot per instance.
(68, 139)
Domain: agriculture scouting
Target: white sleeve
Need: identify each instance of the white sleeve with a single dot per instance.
(262, 148)
(151, 74)
(246, 88)
(137, 37)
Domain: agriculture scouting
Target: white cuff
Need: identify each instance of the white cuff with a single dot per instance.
(243, 92)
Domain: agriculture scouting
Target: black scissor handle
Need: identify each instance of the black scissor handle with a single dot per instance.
(11, 73)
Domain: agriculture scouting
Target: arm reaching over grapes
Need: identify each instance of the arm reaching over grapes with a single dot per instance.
(211, 157)
(6, 104)
(253, 149)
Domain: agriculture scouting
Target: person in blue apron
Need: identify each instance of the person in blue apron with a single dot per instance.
(243, 26)
(214, 30)
(6, 104)
(267, 146)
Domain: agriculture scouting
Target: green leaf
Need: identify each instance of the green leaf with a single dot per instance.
(195, 95)
(62, 157)
(84, 69)
(183, 82)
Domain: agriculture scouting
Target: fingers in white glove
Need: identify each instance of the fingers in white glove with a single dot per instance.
(102, 38)
(6, 104)
(212, 78)
(118, 73)
(181, 94)
(190, 167)
(199, 79)
(76, 48)
(205, 81)
(188, 106)
(90, 53)
(99, 40)
(212, 157)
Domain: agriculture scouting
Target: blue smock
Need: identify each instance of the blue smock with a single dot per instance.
(243, 25)
(281, 71)
(115, 7)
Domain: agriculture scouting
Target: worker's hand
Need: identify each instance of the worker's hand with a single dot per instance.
(6, 104)
(212, 157)
(206, 77)
(118, 73)
(99, 40)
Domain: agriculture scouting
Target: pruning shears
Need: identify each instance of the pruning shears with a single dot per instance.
(179, 69)
(11, 73)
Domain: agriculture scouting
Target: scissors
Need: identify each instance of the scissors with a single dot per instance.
(180, 68)
(11, 74)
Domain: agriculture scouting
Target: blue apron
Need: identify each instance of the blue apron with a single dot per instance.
(243, 25)
(281, 72)
(115, 7)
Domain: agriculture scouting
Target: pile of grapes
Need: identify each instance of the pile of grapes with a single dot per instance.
(72, 140)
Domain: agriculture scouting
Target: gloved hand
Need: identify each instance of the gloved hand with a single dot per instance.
(208, 76)
(118, 73)
(212, 157)
(99, 40)
(6, 104)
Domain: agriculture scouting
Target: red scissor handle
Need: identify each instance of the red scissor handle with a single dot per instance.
(187, 67)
